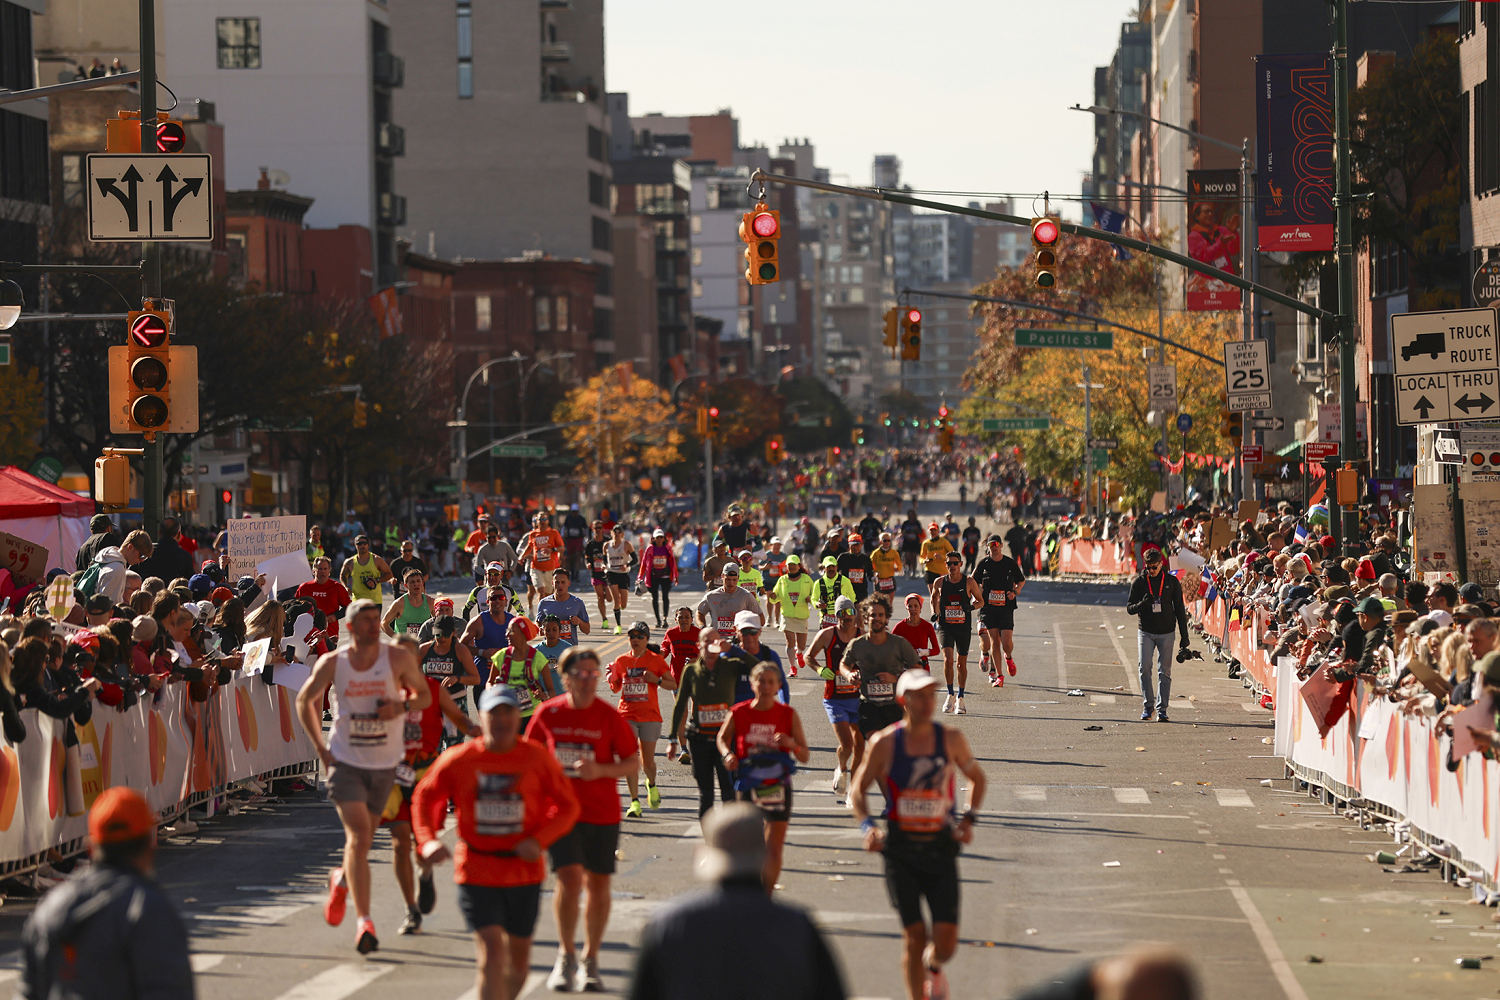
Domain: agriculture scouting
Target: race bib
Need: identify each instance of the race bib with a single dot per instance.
(406, 775)
(439, 668)
(414, 628)
(842, 690)
(886, 585)
(573, 754)
(726, 624)
(635, 690)
(367, 729)
(856, 576)
(712, 716)
(411, 730)
(952, 614)
(658, 562)
(770, 796)
(523, 695)
(997, 598)
(920, 810)
(880, 691)
(499, 810)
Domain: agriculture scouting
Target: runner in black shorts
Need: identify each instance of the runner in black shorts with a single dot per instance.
(874, 661)
(954, 596)
(913, 762)
(1000, 580)
(593, 555)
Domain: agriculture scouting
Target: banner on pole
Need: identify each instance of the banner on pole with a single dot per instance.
(1294, 140)
(1213, 237)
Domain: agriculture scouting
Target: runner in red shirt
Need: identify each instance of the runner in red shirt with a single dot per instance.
(510, 800)
(541, 549)
(680, 644)
(918, 630)
(596, 748)
(330, 596)
(636, 676)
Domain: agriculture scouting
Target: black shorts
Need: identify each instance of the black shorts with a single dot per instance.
(772, 811)
(926, 872)
(875, 716)
(621, 580)
(956, 637)
(512, 908)
(1003, 619)
(930, 576)
(589, 844)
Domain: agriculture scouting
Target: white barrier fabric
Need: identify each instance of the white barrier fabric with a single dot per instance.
(169, 750)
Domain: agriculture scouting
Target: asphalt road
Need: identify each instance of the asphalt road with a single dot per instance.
(1091, 840)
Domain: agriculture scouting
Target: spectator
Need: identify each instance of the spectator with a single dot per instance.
(11, 722)
(104, 533)
(168, 559)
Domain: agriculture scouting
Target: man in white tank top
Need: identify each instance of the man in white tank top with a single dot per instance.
(374, 684)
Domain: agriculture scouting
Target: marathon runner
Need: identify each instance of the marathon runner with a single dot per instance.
(551, 643)
(510, 802)
(374, 684)
(713, 566)
(856, 566)
(828, 588)
(751, 581)
(703, 701)
(494, 576)
(593, 555)
(405, 561)
(913, 762)
(918, 631)
(954, 595)
(840, 695)
(758, 742)
(489, 631)
(775, 566)
(793, 593)
(680, 644)
(874, 661)
(572, 614)
(423, 733)
(541, 552)
(449, 660)
(364, 572)
(328, 595)
(596, 748)
(971, 545)
(746, 652)
(870, 530)
(934, 550)
(886, 562)
(635, 677)
(659, 572)
(1000, 579)
(911, 542)
(718, 607)
(526, 669)
(733, 531)
(494, 549)
(412, 609)
(617, 556)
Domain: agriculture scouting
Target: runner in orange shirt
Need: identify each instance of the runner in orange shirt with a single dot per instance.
(635, 676)
(511, 802)
(541, 550)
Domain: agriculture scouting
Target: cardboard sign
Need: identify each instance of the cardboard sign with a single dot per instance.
(1247, 511)
(275, 546)
(1220, 534)
(27, 561)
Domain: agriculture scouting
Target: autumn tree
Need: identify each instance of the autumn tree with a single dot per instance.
(623, 420)
(20, 414)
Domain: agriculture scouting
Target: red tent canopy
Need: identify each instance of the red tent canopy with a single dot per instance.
(24, 495)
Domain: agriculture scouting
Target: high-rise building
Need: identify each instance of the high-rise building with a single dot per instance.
(24, 199)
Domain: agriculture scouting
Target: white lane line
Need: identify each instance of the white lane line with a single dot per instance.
(265, 915)
(692, 831)
(1132, 797)
(1062, 666)
(203, 963)
(1103, 699)
(1130, 666)
(1268, 946)
(6, 975)
(532, 982)
(1233, 797)
(1029, 793)
(336, 983)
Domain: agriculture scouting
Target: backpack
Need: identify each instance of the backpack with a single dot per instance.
(87, 585)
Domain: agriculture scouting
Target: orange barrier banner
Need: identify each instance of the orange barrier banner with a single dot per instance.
(1095, 557)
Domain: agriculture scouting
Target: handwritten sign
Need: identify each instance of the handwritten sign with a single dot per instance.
(254, 540)
(27, 561)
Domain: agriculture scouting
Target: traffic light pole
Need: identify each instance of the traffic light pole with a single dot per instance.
(1343, 521)
(153, 486)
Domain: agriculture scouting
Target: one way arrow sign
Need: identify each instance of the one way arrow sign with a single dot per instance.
(159, 197)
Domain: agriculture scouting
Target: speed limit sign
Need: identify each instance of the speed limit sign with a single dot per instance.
(1161, 381)
(1247, 375)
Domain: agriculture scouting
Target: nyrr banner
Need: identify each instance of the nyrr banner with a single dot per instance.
(1213, 237)
(1294, 137)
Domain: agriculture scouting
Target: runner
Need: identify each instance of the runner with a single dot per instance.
(918, 630)
(494, 549)
(971, 545)
(659, 572)
(411, 609)
(363, 572)
(680, 644)
(954, 595)
(718, 607)
(1000, 579)
(572, 614)
(596, 748)
(746, 652)
(911, 542)
(751, 581)
(541, 553)
(618, 554)
(327, 594)
(423, 737)
(494, 576)
(775, 566)
(635, 677)
(551, 643)
(758, 743)
(407, 559)
(857, 568)
(510, 802)
(793, 594)
(703, 701)
(840, 695)
(734, 532)
(451, 662)
(489, 631)
(874, 661)
(913, 763)
(526, 669)
(934, 550)
(374, 684)
(886, 562)
(828, 588)
(593, 555)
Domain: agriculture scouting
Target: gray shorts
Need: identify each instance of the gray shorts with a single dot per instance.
(541, 579)
(646, 732)
(796, 626)
(372, 786)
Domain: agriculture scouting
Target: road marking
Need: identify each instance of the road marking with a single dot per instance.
(336, 983)
(1132, 682)
(532, 982)
(266, 915)
(1029, 793)
(203, 963)
(1028, 816)
(1062, 667)
(692, 831)
(1268, 945)
(1232, 797)
(1132, 797)
(1102, 699)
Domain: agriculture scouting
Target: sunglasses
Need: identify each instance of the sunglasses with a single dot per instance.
(497, 600)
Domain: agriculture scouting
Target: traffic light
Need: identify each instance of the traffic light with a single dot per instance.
(713, 421)
(112, 480)
(1046, 232)
(760, 230)
(833, 455)
(911, 334)
(153, 386)
(893, 329)
(943, 411)
(703, 421)
(361, 413)
(122, 133)
(774, 448)
(1233, 424)
(885, 419)
(945, 438)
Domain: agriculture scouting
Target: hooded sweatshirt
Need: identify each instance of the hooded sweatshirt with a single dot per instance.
(111, 573)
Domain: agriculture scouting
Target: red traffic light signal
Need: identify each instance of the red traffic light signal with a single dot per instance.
(713, 411)
(1045, 236)
(943, 411)
(1044, 231)
(148, 330)
(226, 496)
(171, 137)
(760, 231)
(914, 315)
(765, 225)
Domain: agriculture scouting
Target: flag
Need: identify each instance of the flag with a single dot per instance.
(1111, 220)
(1300, 535)
(1234, 620)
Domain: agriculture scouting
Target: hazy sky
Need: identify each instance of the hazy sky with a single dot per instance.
(972, 95)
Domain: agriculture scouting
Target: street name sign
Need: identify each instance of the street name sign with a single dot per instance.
(150, 197)
(1102, 340)
(1099, 459)
(519, 451)
(1161, 383)
(1016, 424)
(1247, 375)
(1447, 366)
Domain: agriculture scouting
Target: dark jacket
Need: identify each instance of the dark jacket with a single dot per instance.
(109, 932)
(168, 560)
(10, 717)
(1173, 614)
(692, 941)
(91, 546)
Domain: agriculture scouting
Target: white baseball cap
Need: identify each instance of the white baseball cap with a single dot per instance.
(746, 619)
(914, 679)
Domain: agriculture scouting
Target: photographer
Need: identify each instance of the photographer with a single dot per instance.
(1156, 599)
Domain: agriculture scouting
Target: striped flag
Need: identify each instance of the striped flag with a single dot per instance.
(1234, 620)
(1300, 535)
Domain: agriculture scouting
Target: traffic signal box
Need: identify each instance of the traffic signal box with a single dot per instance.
(760, 231)
(775, 449)
(153, 386)
(713, 422)
(911, 334)
(122, 133)
(834, 454)
(1046, 234)
(1233, 424)
(893, 329)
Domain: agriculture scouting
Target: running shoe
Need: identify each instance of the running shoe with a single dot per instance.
(426, 893)
(413, 922)
(563, 974)
(1145, 715)
(653, 796)
(996, 680)
(1010, 665)
(618, 629)
(840, 776)
(588, 977)
(1162, 716)
(958, 707)
(935, 985)
(986, 664)
(634, 812)
(366, 942)
(684, 758)
(338, 896)
(948, 704)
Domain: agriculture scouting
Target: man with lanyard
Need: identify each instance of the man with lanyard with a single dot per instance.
(828, 588)
(935, 549)
(423, 733)
(363, 572)
(659, 572)
(1000, 579)
(793, 593)
(569, 609)
(746, 651)
(775, 566)
(886, 562)
(488, 632)
(750, 578)
(411, 609)
(596, 748)
(703, 701)
(494, 550)
(593, 556)
(840, 694)
(408, 559)
(327, 594)
(1156, 599)
(911, 541)
(510, 802)
(874, 661)
(856, 567)
(617, 555)
(918, 631)
(954, 595)
(541, 552)
(526, 669)
(374, 684)
(718, 607)
(635, 676)
(913, 763)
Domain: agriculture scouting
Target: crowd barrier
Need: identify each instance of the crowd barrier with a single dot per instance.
(1373, 758)
(1094, 557)
(173, 750)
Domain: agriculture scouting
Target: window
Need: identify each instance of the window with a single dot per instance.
(697, 288)
(596, 190)
(560, 307)
(465, 49)
(543, 314)
(73, 180)
(239, 42)
(697, 227)
(603, 237)
(595, 144)
(697, 256)
(482, 313)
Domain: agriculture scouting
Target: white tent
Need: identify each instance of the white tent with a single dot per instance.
(39, 512)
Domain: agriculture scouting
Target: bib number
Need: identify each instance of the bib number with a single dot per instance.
(886, 585)
(573, 754)
(712, 716)
(406, 775)
(997, 598)
(856, 576)
(770, 796)
(954, 615)
(881, 691)
(635, 690)
(367, 729)
(658, 562)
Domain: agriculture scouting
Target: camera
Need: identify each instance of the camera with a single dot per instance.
(1184, 654)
